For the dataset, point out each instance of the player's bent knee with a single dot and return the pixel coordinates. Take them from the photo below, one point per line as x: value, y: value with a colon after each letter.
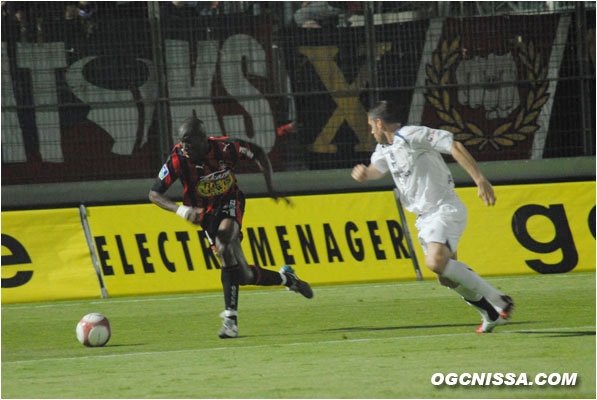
x: 222, y: 248
x: 435, y: 263
x: 246, y: 280
x: 247, y: 276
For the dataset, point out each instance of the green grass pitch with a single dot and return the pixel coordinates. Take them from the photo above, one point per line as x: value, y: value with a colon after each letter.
x: 375, y: 340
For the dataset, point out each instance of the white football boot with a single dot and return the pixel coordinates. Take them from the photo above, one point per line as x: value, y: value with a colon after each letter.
x: 488, y: 325
x: 229, y: 328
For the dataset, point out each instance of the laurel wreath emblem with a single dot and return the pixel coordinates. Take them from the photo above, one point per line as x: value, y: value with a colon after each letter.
x: 507, y: 134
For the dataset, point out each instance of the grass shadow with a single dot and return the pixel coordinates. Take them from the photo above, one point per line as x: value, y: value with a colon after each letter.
x: 391, y: 328
x: 558, y: 333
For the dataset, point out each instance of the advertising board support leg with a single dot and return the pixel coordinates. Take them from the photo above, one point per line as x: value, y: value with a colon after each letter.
x: 94, y: 259
x: 409, y: 242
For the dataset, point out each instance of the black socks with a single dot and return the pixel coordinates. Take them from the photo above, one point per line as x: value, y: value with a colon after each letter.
x: 230, y: 281
x: 266, y: 277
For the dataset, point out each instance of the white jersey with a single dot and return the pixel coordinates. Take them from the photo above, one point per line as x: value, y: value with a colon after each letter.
x: 419, y: 171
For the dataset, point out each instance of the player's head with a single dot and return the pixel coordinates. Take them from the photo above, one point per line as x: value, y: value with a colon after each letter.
x: 383, y: 119
x: 193, y: 138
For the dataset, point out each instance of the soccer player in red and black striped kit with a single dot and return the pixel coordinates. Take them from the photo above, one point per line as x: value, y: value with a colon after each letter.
x: 212, y: 199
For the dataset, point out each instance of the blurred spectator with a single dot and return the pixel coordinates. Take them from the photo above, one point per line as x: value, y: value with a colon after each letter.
x: 179, y: 9
x: 70, y: 12
x: 26, y: 20
x: 80, y: 20
x: 16, y: 17
x: 9, y: 33
x: 212, y: 8
x: 24, y: 17
x: 86, y: 12
x: 314, y: 14
x: 121, y: 10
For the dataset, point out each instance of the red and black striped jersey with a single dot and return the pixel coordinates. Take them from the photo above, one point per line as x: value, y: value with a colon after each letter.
x: 210, y: 180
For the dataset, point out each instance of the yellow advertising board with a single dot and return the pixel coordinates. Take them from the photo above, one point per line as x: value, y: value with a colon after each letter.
x: 45, y: 257
x: 333, y: 238
x: 327, y: 238
x: 541, y: 228
x: 143, y: 249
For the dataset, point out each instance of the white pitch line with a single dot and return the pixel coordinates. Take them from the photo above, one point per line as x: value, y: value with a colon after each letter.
x: 324, y: 342
x: 269, y: 292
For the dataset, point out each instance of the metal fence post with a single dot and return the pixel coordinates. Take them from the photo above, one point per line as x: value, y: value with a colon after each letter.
x: 94, y: 258
x: 581, y: 54
x: 371, y: 52
x: 406, y: 231
x: 157, y: 45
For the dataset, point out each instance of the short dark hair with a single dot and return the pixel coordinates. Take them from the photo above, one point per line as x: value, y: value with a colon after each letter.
x: 192, y: 126
x: 385, y: 110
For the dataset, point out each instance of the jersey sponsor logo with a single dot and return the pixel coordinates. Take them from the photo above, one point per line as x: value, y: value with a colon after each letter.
x: 164, y: 172
x: 215, y: 184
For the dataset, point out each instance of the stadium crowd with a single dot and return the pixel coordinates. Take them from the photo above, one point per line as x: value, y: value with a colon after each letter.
x: 29, y: 21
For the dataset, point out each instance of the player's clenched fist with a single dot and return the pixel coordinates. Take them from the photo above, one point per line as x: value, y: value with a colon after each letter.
x: 359, y: 173
x: 191, y: 214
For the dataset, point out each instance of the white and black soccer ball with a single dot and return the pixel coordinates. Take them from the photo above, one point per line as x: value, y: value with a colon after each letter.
x: 93, y: 330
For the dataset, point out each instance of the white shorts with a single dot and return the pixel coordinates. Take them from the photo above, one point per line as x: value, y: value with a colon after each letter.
x: 445, y: 225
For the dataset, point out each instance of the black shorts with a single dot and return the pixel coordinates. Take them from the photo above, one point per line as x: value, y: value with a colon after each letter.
x: 230, y: 207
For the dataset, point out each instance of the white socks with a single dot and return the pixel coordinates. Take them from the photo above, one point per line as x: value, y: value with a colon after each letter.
x: 472, y: 284
x: 230, y: 313
x: 467, y: 294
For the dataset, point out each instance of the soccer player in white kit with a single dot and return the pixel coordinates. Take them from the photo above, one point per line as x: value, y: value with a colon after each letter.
x: 412, y: 155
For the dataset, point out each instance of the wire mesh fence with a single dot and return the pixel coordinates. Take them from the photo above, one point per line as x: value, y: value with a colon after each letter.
x: 96, y: 90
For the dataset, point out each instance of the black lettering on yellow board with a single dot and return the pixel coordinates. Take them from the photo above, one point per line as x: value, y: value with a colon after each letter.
x: 208, y: 254
x: 284, y: 245
x: 183, y: 238
x: 397, y: 238
x: 307, y: 244
x: 592, y: 221
x: 331, y: 244
x: 127, y: 268
x: 103, y: 256
x: 375, y: 240
x: 358, y: 253
x: 259, y: 247
x: 163, y: 238
x: 562, y: 241
x: 355, y: 244
x: 144, y: 253
x: 18, y: 256
x: 260, y: 244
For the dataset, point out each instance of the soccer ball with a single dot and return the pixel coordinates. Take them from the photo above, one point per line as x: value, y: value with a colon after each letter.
x: 93, y: 330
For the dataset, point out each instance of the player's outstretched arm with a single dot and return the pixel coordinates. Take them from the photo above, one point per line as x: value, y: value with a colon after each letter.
x: 362, y: 173
x: 191, y: 214
x: 466, y: 160
x: 265, y: 165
